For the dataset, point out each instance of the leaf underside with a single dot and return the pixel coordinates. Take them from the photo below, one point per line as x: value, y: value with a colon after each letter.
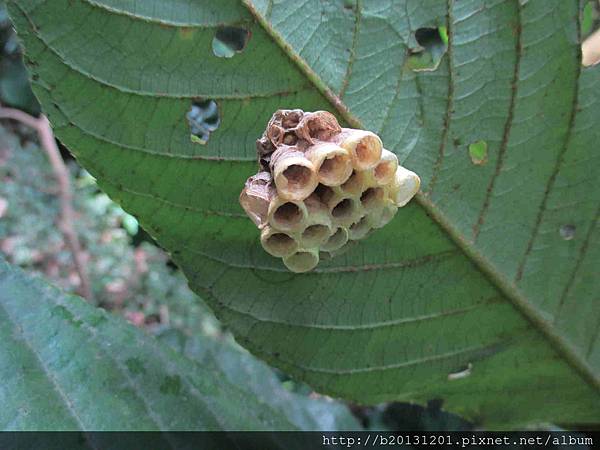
x: 66, y: 365
x: 475, y: 273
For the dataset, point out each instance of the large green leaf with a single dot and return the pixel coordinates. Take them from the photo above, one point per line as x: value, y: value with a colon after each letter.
x: 66, y: 365
x: 481, y: 275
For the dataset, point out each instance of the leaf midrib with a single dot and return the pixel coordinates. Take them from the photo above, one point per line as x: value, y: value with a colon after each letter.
x: 495, y: 277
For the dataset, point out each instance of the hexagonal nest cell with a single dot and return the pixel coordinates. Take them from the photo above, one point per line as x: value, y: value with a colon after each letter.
x: 321, y: 187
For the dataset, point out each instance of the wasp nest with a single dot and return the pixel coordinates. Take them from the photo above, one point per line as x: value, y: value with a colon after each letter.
x: 321, y: 186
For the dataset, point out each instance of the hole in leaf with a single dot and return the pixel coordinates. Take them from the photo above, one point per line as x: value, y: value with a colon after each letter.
x: 462, y: 373
x: 590, y: 33
x: 432, y: 44
x: 203, y: 119
x: 229, y: 40
x: 478, y: 151
x: 590, y: 17
x: 349, y: 4
x: 567, y: 232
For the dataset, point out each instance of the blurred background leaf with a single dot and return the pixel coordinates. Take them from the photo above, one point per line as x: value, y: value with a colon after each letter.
x: 93, y: 371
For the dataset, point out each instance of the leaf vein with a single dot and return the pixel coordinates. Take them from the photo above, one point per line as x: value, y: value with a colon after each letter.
x: 357, y: 21
x: 450, y: 103
x: 507, y: 126
x: 559, y: 161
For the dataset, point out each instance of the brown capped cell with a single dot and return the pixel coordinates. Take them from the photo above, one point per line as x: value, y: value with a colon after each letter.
x: 264, y: 150
x: 291, y: 118
x: 275, y: 133
x: 256, y: 197
x: 288, y: 118
x: 318, y: 125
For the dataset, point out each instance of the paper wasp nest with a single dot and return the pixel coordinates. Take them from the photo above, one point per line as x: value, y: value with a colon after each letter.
x: 321, y: 186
